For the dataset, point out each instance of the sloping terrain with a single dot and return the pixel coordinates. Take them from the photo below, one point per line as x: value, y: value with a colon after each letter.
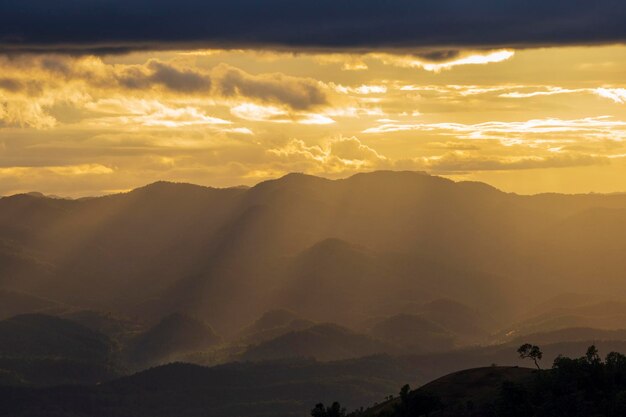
x: 362, y: 244
x: 239, y: 389
x: 324, y: 342
x: 37, y: 349
x: 174, y: 335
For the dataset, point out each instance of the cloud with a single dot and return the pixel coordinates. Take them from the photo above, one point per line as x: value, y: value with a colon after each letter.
x: 224, y: 81
x: 166, y: 75
x: 44, y: 91
x: 343, y: 155
x: 351, y: 149
x: 462, y: 162
x: 268, y: 113
x: 530, y: 132
x: 363, y: 89
x: 298, y: 93
x: 431, y: 26
x: 10, y: 84
x: 437, y: 62
x: 150, y: 113
x: 68, y: 170
x: 618, y: 95
x: 338, y: 155
x: 24, y: 113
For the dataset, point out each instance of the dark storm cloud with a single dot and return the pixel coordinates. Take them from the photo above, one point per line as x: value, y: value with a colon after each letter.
x: 10, y: 84
x: 119, y: 25
x: 297, y: 93
x: 174, y: 79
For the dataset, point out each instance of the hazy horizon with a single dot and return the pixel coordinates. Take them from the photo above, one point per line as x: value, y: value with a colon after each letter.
x: 333, y: 178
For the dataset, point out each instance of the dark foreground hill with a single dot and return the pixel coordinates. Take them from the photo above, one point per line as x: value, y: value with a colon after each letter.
x: 239, y: 389
x: 37, y: 349
x: 464, y: 393
x: 580, y: 387
x: 268, y: 388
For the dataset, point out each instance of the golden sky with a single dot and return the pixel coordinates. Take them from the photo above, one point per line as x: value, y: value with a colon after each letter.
x: 526, y: 121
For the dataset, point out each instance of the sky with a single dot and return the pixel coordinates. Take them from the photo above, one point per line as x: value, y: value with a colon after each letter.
x: 104, y: 96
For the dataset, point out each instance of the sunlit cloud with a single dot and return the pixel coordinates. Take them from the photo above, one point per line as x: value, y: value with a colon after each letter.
x: 618, y: 95
x: 71, y: 170
x: 466, y: 58
x: 24, y: 113
x: 527, y: 132
x: 354, y: 112
x: 273, y: 114
x: 259, y: 113
x: 347, y: 62
x: 362, y: 89
x: 548, y: 91
x: 462, y: 162
x: 150, y: 113
x: 315, y: 119
x: 333, y: 156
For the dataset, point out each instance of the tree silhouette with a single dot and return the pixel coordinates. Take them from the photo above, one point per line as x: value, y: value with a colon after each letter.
x: 592, y: 355
x: 335, y: 410
x: 402, y: 409
x: 532, y: 352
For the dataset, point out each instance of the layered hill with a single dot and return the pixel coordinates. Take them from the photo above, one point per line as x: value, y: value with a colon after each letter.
x: 325, y: 342
x: 287, y: 388
x: 343, y: 250
x: 37, y: 349
x: 173, y: 336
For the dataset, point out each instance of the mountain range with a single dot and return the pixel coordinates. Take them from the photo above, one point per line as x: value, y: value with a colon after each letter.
x: 346, y: 251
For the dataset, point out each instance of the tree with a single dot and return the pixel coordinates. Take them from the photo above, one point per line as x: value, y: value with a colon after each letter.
x: 592, y: 355
x: 532, y: 352
x: 615, y: 361
x: 404, y: 393
x: 319, y: 411
x: 402, y: 409
x: 335, y: 410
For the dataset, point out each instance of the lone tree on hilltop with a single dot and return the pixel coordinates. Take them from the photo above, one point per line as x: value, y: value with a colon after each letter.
x: 530, y: 351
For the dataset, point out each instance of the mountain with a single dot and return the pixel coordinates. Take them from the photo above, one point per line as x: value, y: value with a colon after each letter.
x: 42, y: 335
x: 175, y: 335
x: 605, y: 315
x: 324, y: 342
x: 272, y: 324
x: 37, y: 349
x: 118, y: 329
x: 465, y: 322
x: 14, y: 303
x: 414, y: 333
x: 573, y: 334
x: 330, y: 250
x: 18, y: 265
x: 285, y: 388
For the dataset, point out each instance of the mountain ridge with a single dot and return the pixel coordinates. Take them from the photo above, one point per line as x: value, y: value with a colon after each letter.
x: 226, y: 255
